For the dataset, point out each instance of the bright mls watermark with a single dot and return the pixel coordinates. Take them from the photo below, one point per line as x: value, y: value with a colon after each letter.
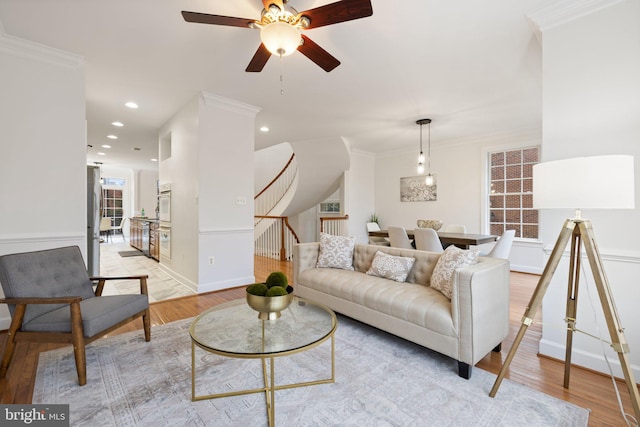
x: 34, y: 415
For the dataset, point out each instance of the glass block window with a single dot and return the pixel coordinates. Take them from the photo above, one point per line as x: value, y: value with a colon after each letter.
x: 511, y: 192
x: 330, y: 207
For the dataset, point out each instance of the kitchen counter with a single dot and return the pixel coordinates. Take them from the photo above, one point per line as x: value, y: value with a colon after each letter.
x: 145, y: 237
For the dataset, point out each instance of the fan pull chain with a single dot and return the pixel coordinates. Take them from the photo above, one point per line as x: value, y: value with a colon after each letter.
x: 281, y: 76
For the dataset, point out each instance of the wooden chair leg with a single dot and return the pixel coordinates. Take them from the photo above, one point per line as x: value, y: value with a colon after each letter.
x: 77, y: 334
x: 146, y: 318
x: 16, y: 323
x: 146, y: 321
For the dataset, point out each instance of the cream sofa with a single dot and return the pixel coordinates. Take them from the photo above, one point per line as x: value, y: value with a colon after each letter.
x: 465, y: 328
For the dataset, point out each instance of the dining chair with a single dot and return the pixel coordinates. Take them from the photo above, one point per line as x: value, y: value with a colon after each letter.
x: 398, y: 238
x: 51, y: 299
x: 427, y: 240
x: 105, y: 227
x: 503, y: 247
x: 455, y: 229
x: 118, y: 228
x: 376, y: 240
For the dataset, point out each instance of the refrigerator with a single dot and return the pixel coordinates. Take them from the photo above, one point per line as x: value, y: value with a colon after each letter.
x: 94, y: 195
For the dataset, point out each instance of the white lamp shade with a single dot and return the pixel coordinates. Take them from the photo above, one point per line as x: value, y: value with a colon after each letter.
x: 598, y: 182
x: 280, y: 38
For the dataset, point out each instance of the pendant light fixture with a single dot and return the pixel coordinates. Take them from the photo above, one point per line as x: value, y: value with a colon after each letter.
x: 421, y: 157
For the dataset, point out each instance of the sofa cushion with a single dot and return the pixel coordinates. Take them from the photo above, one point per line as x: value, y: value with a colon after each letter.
x: 452, y: 258
x: 413, y: 303
x: 336, y: 252
x: 391, y: 267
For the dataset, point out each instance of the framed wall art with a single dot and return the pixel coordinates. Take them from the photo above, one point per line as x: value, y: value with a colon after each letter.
x: 414, y: 189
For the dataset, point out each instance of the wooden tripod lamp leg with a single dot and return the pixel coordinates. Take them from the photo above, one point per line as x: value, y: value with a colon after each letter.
x: 616, y: 331
x: 582, y: 235
x: 536, y: 298
x: 572, y: 300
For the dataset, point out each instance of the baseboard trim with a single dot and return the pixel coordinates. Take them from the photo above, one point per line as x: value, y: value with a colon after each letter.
x: 588, y: 360
x: 225, y: 284
x: 179, y: 278
x: 526, y: 269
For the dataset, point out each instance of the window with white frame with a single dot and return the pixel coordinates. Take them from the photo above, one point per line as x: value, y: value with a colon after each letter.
x: 112, y: 199
x: 511, y: 192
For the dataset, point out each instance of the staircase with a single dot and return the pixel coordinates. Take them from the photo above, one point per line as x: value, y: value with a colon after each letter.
x: 312, y: 171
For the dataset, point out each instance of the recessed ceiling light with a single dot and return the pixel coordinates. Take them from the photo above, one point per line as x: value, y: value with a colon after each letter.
x: 118, y: 124
x: 112, y: 137
x: 106, y: 146
x: 154, y: 160
x: 131, y: 104
x: 264, y: 129
x: 102, y: 154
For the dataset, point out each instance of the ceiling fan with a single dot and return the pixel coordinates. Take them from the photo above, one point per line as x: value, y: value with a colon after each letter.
x: 280, y: 26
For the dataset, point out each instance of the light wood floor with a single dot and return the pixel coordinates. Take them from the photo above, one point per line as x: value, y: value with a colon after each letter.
x: 588, y: 389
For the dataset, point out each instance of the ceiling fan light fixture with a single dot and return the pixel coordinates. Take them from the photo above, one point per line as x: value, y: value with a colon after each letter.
x: 280, y: 38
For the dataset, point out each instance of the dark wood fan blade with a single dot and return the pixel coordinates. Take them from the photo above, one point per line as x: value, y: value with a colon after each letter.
x: 205, y: 18
x: 259, y: 60
x: 317, y: 54
x: 267, y: 3
x: 345, y: 10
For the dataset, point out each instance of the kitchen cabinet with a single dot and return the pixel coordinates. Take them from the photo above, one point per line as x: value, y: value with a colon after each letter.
x: 154, y: 241
x: 145, y: 236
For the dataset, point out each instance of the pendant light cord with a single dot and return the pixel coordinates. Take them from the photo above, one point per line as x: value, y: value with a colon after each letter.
x: 428, y: 148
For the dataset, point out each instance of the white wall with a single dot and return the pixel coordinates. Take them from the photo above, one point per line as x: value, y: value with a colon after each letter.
x: 180, y: 170
x: 212, y: 142
x: 458, y: 173
x: 461, y: 169
x: 42, y: 149
x: 591, y: 107
x: 146, y: 192
x: 225, y: 160
x: 359, y: 194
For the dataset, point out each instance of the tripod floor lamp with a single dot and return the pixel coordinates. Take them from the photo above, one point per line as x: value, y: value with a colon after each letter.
x: 600, y: 182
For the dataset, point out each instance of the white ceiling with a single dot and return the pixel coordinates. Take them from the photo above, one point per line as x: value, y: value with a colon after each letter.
x: 473, y: 67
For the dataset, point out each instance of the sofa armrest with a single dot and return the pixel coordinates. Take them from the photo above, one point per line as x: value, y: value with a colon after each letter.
x: 480, y: 307
x: 305, y: 256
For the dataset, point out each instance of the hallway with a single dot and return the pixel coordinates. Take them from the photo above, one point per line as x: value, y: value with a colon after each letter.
x: 161, y: 286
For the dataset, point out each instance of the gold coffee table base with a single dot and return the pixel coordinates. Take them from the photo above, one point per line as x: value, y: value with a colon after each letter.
x: 268, y: 367
x: 269, y: 388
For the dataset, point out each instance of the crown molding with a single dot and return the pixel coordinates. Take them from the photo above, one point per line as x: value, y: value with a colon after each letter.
x: 560, y: 12
x: 26, y: 49
x: 228, y: 104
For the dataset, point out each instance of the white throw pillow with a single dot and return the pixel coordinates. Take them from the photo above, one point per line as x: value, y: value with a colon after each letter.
x: 391, y: 267
x: 452, y: 258
x: 336, y: 252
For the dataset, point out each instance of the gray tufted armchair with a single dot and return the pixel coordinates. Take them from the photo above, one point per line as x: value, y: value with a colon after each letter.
x: 51, y: 299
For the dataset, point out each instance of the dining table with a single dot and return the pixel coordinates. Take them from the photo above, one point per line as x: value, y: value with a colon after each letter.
x: 461, y: 240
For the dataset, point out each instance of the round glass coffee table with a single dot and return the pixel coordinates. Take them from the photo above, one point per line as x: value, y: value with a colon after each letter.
x: 233, y: 330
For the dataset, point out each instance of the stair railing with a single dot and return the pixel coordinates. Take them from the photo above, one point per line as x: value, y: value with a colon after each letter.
x: 336, y: 225
x: 273, y: 192
x: 277, y: 240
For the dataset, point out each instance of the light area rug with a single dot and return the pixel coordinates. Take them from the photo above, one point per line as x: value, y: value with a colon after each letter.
x: 381, y: 380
